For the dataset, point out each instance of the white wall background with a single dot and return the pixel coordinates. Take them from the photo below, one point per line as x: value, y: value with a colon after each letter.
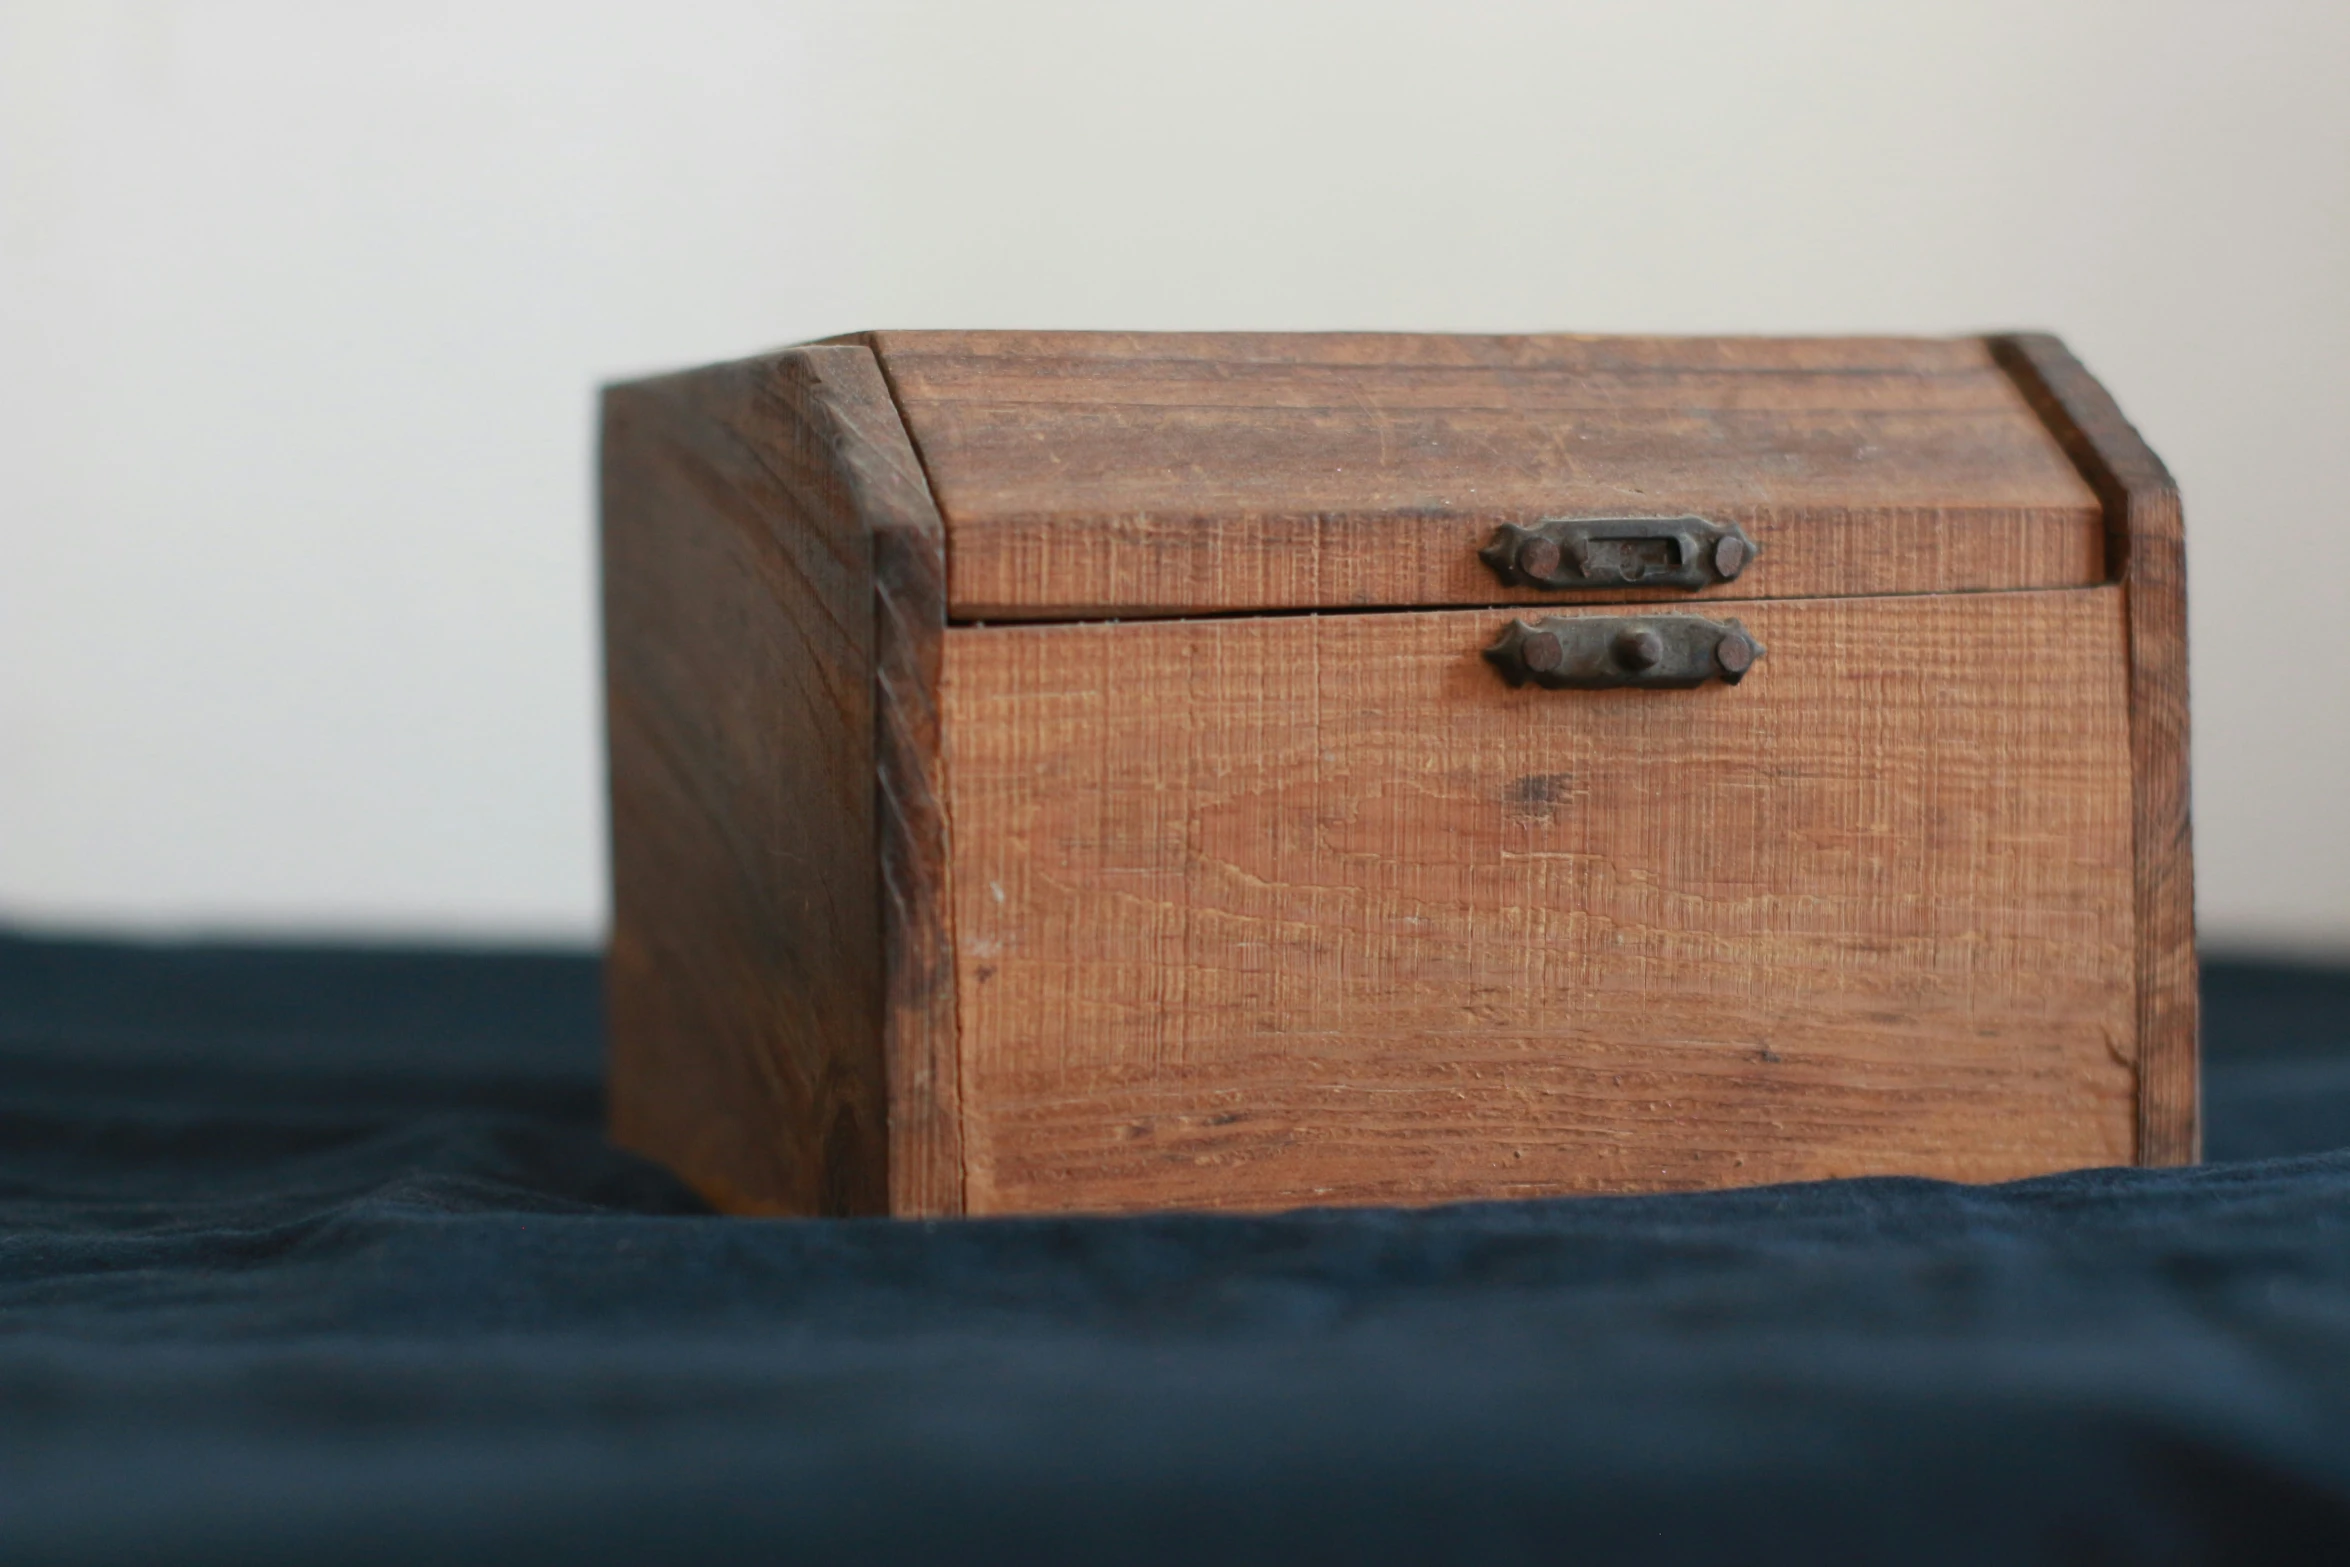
x: 301, y: 307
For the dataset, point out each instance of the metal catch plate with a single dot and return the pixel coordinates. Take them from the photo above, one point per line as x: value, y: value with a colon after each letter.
x: 1599, y: 653
x: 1619, y: 552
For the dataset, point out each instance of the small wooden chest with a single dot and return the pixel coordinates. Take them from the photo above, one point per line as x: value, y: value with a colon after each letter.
x: 1076, y: 771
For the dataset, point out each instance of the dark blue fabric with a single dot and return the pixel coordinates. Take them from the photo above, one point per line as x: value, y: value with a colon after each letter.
x: 319, y: 1257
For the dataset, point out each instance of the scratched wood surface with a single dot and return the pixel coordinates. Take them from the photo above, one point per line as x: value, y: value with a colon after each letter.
x: 2148, y: 545
x: 771, y: 1017
x: 1139, y: 473
x: 1260, y: 912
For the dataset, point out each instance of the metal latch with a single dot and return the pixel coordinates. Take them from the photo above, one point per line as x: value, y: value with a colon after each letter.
x: 1619, y: 552
x: 1599, y: 652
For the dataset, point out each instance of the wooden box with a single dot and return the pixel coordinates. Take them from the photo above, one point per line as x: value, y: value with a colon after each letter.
x: 1073, y: 771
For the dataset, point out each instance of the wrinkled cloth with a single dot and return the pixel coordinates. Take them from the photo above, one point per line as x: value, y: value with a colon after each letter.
x: 316, y: 1256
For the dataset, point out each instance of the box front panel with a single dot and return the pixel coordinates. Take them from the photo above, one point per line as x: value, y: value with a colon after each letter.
x: 1287, y: 910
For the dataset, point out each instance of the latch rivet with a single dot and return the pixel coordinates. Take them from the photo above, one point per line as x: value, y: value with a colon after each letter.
x: 1539, y: 557
x: 1540, y: 652
x: 1638, y: 647
x: 1730, y: 557
x: 1734, y: 653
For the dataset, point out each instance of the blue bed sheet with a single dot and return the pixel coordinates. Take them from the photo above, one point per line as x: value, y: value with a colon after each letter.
x: 317, y: 1256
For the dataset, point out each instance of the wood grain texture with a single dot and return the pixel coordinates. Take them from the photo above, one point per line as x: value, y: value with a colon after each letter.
x: 1305, y: 909
x: 1089, y: 474
x: 2148, y: 544
x: 918, y: 1022
x: 765, y: 1042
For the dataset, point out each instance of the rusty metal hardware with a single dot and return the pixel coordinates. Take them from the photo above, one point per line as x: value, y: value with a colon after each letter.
x: 1598, y: 652
x: 1619, y: 552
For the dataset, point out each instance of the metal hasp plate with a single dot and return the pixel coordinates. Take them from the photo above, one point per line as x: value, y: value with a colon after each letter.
x: 1619, y: 552
x: 1599, y: 653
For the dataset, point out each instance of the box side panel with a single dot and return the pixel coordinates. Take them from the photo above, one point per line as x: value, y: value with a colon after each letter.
x: 1090, y: 474
x: 746, y: 968
x: 1285, y: 910
x: 2148, y: 545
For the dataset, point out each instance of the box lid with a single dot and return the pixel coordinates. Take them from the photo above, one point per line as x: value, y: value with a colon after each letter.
x: 1084, y: 474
